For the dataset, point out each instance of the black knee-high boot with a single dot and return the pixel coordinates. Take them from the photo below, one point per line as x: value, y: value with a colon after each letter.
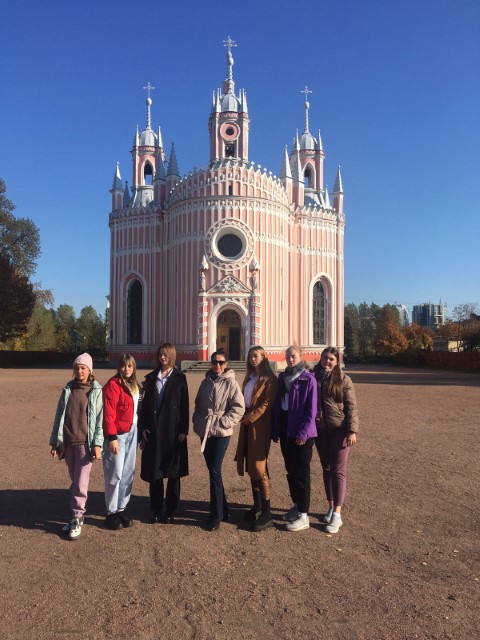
x: 265, y: 519
x: 253, y: 513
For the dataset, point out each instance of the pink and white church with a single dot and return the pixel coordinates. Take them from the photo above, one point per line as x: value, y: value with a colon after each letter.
x: 228, y: 256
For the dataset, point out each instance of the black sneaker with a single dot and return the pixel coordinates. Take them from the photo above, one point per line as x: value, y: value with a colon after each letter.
x: 124, y: 519
x: 113, y: 522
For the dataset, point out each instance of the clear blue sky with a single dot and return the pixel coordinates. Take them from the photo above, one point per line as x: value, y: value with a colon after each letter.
x: 396, y: 94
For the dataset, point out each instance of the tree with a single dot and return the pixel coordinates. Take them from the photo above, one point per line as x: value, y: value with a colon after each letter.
x: 19, y: 237
x: 351, y: 329
x: 418, y: 337
x: 19, y: 249
x: 367, y: 315
x: 17, y: 300
x: 91, y: 327
x: 41, y: 329
x: 64, y: 327
x: 389, y: 338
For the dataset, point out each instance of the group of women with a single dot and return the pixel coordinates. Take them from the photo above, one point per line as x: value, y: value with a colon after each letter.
x: 301, y: 409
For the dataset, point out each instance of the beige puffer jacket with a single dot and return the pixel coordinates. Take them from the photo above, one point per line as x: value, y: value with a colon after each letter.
x: 219, y: 406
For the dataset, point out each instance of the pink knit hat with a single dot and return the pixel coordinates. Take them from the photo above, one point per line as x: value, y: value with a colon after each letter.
x: 84, y: 358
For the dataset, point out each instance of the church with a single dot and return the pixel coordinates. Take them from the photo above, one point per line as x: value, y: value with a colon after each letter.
x: 229, y: 255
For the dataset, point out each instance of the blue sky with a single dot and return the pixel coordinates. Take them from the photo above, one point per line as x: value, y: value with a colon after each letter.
x: 396, y: 94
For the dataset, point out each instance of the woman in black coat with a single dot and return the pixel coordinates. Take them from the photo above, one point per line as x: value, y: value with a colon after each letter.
x: 163, y: 428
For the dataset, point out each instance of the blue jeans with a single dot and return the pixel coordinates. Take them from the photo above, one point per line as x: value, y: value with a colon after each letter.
x: 119, y: 471
x: 214, y: 453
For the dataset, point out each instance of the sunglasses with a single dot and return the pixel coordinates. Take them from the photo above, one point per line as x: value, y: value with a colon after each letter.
x: 220, y: 362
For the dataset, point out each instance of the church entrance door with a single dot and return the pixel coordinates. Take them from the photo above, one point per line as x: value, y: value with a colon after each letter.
x: 229, y: 334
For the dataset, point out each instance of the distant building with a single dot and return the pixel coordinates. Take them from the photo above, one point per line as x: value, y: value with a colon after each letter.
x: 229, y: 255
x: 444, y: 344
x: 403, y: 313
x: 429, y: 315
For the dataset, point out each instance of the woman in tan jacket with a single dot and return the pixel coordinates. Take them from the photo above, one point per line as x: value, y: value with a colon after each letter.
x: 219, y: 407
x: 259, y: 390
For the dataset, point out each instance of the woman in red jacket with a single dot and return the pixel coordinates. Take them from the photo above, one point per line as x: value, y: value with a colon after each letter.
x: 120, y: 402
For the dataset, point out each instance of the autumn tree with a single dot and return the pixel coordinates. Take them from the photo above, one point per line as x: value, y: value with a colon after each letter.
x: 418, y: 337
x: 389, y: 338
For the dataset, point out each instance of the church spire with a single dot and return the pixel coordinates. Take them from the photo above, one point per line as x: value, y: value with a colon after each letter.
x: 229, y: 84
x: 149, y: 88
x: 172, y: 163
x: 338, y: 186
x: 306, y: 91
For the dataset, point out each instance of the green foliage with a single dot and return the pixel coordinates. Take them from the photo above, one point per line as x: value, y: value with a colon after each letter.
x: 64, y: 328
x: 19, y: 237
x: 41, y: 329
x: 91, y: 328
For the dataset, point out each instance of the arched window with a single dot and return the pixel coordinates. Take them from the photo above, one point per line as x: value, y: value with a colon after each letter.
x: 134, y: 313
x: 147, y: 174
x: 319, y: 314
x: 308, y: 178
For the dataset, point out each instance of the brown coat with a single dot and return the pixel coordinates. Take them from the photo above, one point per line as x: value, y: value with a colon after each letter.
x: 256, y: 430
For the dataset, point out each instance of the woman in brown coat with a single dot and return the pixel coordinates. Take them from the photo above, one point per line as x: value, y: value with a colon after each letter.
x: 259, y: 389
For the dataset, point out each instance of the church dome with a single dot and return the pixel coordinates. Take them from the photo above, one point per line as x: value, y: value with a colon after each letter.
x: 307, y: 141
x: 230, y: 102
x: 148, y: 138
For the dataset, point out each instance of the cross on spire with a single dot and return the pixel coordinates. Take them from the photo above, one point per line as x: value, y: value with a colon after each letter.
x: 229, y: 43
x: 149, y: 88
x: 306, y: 91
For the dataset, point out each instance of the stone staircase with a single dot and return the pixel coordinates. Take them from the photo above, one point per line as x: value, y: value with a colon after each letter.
x: 189, y: 366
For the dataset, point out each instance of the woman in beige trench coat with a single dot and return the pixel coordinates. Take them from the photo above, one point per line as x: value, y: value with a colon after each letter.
x: 259, y: 389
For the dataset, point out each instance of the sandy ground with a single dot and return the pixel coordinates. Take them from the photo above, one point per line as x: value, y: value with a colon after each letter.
x: 404, y: 565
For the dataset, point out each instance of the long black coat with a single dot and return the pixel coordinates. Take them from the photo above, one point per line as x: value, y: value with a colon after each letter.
x: 163, y: 456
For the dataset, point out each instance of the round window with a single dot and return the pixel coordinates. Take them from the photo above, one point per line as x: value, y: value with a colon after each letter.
x: 230, y: 131
x: 230, y: 246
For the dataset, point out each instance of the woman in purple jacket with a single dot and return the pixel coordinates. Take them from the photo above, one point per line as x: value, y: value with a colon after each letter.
x: 294, y: 413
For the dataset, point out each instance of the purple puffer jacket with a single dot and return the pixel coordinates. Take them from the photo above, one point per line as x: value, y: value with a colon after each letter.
x: 302, y: 407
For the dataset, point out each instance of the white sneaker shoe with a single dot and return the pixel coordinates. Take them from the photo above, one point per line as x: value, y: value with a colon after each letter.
x: 328, y: 516
x: 335, y: 523
x: 291, y: 515
x: 75, y: 528
x: 301, y: 523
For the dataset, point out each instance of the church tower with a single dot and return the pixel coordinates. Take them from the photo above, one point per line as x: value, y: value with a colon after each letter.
x: 229, y: 122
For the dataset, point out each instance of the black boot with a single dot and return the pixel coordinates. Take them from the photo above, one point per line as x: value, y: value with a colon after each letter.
x: 265, y: 519
x: 253, y: 513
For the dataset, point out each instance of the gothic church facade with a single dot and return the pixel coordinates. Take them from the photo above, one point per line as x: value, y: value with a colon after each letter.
x: 228, y: 255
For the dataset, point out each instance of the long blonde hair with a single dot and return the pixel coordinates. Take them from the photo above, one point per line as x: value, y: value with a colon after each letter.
x: 131, y: 382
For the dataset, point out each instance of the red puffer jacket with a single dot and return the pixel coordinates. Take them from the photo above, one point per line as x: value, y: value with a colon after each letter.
x: 117, y: 408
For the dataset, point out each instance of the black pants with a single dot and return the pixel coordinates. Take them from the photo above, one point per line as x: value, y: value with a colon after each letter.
x: 297, y: 464
x: 172, y: 496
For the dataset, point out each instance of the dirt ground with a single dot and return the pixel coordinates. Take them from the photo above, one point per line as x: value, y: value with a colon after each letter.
x: 404, y: 565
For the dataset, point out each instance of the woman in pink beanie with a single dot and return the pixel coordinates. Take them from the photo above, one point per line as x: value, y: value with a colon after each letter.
x: 77, y: 435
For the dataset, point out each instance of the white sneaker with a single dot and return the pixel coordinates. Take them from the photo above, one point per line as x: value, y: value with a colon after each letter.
x: 328, y: 516
x: 301, y: 523
x: 291, y: 515
x: 75, y: 528
x: 335, y: 524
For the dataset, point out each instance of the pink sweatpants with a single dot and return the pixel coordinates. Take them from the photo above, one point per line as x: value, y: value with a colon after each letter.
x: 79, y: 463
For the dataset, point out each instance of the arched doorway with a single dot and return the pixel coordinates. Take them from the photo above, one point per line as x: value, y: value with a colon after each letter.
x: 229, y: 334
